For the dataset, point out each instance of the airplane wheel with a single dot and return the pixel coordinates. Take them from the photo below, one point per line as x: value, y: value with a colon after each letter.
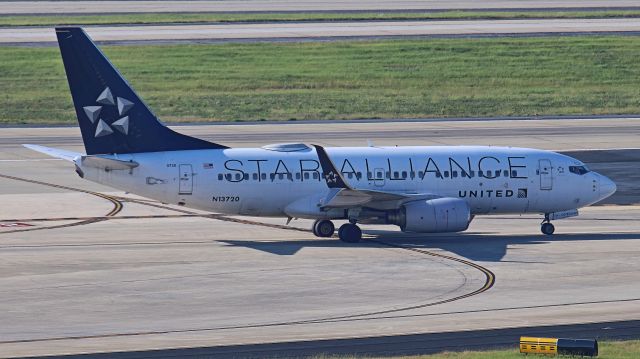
x: 323, y: 228
x: 341, y: 231
x: 350, y: 233
x: 547, y: 228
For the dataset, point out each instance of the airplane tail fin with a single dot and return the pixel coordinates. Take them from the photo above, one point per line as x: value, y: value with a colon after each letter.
x: 112, y: 117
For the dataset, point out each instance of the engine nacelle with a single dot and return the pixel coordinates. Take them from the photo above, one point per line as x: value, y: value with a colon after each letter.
x: 433, y: 216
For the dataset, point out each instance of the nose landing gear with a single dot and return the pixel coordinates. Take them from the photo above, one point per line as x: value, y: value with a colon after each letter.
x: 546, y: 227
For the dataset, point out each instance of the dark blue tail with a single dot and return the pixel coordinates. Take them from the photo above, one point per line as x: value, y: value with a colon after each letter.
x: 112, y: 118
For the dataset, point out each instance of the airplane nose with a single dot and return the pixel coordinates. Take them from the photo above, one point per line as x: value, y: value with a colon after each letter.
x: 607, y: 187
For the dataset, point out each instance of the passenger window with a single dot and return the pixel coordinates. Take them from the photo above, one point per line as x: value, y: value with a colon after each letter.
x: 264, y: 176
x: 238, y: 176
x: 290, y: 176
x: 220, y: 176
x: 297, y: 175
x: 281, y: 176
x: 228, y: 176
x: 379, y: 175
x: 480, y: 173
x: 306, y: 175
x: 506, y: 173
x: 246, y: 176
x: 359, y: 175
x: 412, y: 174
x: 255, y: 176
x: 350, y: 175
x: 514, y: 173
x: 420, y: 174
x: 454, y: 174
x: 446, y: 174
x: 396, y: 174
x: 471, y: 174
x: 404, y: 174
x: 272, y: 176
x: 315, y: 175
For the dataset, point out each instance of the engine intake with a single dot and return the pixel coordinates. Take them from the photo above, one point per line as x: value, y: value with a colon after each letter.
x: 433, y: 216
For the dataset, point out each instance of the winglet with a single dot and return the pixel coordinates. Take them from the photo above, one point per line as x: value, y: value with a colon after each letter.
x: 332, y: 176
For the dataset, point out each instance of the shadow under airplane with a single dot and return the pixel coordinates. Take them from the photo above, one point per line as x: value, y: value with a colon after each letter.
x: 485, y: 247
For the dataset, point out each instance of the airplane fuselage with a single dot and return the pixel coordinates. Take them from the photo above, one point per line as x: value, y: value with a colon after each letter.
x: 263, y: 182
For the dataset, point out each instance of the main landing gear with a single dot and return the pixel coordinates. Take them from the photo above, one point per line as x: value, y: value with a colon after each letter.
x: 546, y: 227
x: 348, y: 232
x: 323, y: 228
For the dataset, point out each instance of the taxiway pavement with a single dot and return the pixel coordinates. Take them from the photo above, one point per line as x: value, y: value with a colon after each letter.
x: 141, y: 275
x: 326, y: 30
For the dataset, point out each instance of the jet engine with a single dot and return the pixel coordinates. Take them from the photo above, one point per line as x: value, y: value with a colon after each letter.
x: 433, y: 216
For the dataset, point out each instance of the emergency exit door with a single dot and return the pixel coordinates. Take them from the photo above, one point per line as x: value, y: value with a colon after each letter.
x: 186, y: 179
x: 546, y: 175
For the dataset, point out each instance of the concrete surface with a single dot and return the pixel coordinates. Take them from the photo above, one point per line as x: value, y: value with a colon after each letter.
x: 83, y: 7
x: 326, y: 30
x: 156, y: 277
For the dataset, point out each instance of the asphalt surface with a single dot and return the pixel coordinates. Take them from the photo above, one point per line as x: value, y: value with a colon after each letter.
x: 102, y: 7
x: 85, y: 269
x: 411, y: 344
x: 326, y: 30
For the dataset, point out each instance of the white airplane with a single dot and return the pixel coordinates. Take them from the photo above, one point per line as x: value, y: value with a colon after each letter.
x: 420, y: 189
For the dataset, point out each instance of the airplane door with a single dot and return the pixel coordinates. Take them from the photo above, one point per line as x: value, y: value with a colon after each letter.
x: 378, y: 175
x: 546, y: 176
x: 186, y: 179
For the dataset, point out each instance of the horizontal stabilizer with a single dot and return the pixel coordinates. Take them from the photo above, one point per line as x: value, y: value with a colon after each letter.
x: 55, y: 152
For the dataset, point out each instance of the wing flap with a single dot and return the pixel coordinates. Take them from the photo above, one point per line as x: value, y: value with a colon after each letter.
x: 347, y: 198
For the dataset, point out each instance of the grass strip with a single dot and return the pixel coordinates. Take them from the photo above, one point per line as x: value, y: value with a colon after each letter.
x: 345, y: 80
x: 607, y: 350
x: 155, y: 18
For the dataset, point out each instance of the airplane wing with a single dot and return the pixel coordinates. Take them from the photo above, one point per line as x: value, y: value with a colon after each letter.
x: 342, y: 195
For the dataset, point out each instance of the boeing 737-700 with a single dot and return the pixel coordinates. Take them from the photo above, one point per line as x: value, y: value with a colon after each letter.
x: 420, y: 189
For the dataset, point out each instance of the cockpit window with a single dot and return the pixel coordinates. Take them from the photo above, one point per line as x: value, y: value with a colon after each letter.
x: 579, y: 170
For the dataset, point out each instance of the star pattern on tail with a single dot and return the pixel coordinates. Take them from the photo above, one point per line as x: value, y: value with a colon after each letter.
x: 119, y: 124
